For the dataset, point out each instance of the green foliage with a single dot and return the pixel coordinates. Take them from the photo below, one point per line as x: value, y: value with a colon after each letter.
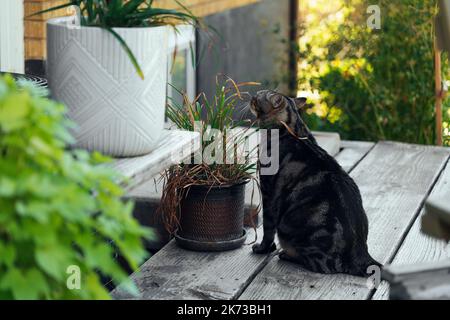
x: 371, y: 84
x: 110, y: 14
x: 58, y: 208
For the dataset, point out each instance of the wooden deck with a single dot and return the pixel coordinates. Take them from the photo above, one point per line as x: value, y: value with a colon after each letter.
x: 395, y: 179
x: 174, y: 147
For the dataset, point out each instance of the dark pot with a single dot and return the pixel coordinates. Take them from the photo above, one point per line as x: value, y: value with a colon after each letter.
x: 212, y: 218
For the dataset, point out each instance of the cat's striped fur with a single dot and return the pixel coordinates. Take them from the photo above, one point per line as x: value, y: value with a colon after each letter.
x: 311, y: 202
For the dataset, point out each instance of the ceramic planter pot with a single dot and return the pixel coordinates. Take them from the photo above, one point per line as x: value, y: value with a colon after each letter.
x: 212, y: 218
x: 116, y: 112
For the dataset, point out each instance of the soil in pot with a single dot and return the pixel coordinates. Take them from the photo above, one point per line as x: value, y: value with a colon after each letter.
x: 212, y: 218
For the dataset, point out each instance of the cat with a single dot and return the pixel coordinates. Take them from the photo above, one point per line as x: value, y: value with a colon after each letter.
x: 313, y: 205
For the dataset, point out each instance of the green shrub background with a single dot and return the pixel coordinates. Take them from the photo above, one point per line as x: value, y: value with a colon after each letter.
x: 58, y: 208
x: 371, y: 84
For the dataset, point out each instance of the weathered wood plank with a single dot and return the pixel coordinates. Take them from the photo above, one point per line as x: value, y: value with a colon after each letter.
x: 394, y: 180
x: 348, y: 157
x: 436, y: 220
x: 174, y: 147
x: 329, y: 141
x: 418, y: 247
x: 174, y: 273
x: 353, y: 152
x: 419, y: 281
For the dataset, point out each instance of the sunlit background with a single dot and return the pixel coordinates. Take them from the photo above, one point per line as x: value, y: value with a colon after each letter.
x: 370, y: 84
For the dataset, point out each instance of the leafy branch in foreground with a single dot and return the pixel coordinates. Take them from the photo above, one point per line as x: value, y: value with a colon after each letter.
x: 60, y: 210
x: 109, y: 14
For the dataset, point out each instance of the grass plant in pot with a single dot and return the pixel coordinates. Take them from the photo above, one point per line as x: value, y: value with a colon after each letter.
x: 203, y: 200
x: 108, y: 64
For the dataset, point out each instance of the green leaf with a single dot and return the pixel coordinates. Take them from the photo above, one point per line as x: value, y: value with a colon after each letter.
x: 28, y: 285
x: 13, y: 111
x: 7, y: 187
x: 59, y: 7
x: 128, y: 51
x: 54, y: 260
x: 95, y: 289
x: 58, y: 205
x: 8, y: 255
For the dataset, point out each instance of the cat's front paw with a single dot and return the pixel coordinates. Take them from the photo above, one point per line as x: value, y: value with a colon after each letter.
x: 264, y: 248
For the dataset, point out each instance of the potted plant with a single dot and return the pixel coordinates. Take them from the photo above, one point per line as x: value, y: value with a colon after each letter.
x: 108, y: 64
x: 60, y: 209
x: 203, y: 200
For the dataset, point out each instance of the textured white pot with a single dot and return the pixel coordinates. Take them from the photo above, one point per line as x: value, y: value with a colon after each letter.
x: 116, y: 112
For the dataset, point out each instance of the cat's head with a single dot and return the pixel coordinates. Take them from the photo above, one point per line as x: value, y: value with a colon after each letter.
x: 273, y: 109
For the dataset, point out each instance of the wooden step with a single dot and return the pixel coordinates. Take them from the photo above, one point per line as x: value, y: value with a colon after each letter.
x: 174, y: 147
x: 426, y: 281
x: 174, y: 273
x: 152, y: 188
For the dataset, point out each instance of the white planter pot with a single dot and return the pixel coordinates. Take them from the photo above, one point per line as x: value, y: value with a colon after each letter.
x: 116, y: 112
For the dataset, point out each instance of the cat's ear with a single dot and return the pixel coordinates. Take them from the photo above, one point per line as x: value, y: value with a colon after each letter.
x: 301, y: 103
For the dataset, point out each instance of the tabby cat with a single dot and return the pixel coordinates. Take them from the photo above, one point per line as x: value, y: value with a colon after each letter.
x: 311, y: 202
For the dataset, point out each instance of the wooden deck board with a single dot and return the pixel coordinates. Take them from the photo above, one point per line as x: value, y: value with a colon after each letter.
x: 394, y: 180
x: 418, y: 247
x: 174, y: 273
x: 329, y: 141
x: 175, y: 146
x: 353, y: 152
